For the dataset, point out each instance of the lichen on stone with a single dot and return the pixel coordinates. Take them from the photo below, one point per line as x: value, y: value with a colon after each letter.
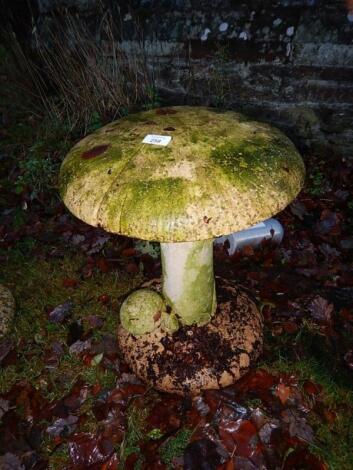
x: 141, y: 311
x: 169, y: 322
x: 219, y: 166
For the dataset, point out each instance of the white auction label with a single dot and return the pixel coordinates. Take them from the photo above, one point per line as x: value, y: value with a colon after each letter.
x: 155, y: 139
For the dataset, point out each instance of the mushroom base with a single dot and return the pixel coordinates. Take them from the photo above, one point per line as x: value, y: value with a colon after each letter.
x: 197, y: 358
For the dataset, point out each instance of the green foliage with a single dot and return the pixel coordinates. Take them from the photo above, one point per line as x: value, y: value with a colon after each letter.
x: 136, y: 422
x: 317, y: 184
x: 319, y: 363
x: 38, y: 173
x: 39, y: 165
x: 155, y: 434
x: 95, y: 122
x: 175, y: 446
x: 152, y: 99
x: 37, y: 284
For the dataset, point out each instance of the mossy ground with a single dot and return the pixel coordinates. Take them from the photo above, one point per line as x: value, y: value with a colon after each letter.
x: 38, y: 286
x: 333, y: 434
x: 35, y: 263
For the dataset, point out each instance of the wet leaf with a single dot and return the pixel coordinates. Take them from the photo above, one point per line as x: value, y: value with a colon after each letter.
x: 10, y: 461
x: 240, y: 435
x: 87, y: 449
x: 282, y: 392
x: 321, y: 309
x: 311, y: 388
x: 80, y: 346
x: 202, y: 454
x: 63, y: 426
x: 297, y: 426
x: 61, y: 312
x: 97, y: 359
x: 107, y: 345
x: 303, y: 459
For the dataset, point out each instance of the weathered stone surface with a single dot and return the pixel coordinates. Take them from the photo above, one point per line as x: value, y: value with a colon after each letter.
x: 198, y: 358
x: 220, y: 173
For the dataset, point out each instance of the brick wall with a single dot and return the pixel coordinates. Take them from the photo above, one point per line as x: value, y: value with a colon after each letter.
x: 289, y: 62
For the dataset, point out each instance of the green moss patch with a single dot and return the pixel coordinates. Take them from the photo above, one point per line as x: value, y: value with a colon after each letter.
x: 42, y: 289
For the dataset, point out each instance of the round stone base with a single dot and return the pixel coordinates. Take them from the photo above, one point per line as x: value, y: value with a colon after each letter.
x: 197, y: 358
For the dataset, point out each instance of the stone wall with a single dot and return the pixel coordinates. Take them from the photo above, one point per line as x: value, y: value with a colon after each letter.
x: 289, y: 62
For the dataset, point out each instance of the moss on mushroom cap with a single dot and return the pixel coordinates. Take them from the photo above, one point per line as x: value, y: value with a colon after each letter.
x: 219, y: 174
x: 141, y: 312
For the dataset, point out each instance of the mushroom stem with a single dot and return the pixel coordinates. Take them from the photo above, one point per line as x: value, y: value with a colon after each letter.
x: 188, y: 280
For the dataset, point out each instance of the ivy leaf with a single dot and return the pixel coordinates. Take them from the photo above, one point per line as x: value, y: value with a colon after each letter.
x: 97, y: 359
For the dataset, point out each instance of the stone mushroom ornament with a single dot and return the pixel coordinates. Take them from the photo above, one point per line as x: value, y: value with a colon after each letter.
x: 219, y: 173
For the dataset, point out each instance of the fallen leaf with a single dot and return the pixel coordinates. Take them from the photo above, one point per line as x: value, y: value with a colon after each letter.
x: 303, y: 459
x: 63, y: 426
x: 239, y: 435
x: 97, y: 359
x: 61, y: 312
x: 86, y: 450
x: 80, y: 346
x: 202, y: 454
x: 311, y: 388
x: 266, y: 431
x: 10, y: 461
x: 297, y: 426
x: 282, y: 392
x: 321, y: 309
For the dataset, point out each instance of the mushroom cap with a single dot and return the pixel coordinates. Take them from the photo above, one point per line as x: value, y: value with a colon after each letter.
x: 220, y: 173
